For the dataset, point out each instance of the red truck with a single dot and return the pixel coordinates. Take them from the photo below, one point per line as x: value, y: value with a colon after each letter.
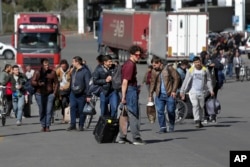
x: 37, y: 36
x: 120, y: 29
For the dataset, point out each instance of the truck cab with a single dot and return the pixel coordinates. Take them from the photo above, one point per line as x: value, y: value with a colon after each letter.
x: 37, y: 36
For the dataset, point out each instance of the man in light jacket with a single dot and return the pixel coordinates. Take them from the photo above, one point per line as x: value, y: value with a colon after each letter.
x: 197, y: 82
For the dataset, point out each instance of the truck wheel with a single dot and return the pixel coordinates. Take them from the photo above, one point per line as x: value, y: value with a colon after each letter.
x: 122, y: 55
x: 126, y: 55
x: 8, y: 54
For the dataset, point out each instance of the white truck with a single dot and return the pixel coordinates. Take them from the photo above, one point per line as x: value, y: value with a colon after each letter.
x: 187, y: 35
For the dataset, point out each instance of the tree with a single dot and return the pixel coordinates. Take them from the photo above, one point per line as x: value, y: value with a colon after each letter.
x: 32, y: 5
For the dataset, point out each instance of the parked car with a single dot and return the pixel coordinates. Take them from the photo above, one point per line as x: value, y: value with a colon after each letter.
x: 7, y: 51
x: 246, y: 48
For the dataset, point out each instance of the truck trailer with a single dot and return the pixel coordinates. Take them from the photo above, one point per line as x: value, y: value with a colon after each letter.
x: 187, y: 35
x: 37, y: 36
x: 120, y: 29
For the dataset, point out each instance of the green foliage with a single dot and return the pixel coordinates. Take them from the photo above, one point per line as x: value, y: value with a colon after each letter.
x: 10, y: 7
x: 34, y: 5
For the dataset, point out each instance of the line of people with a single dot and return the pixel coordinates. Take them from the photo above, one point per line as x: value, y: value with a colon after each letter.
x: 71, y: 84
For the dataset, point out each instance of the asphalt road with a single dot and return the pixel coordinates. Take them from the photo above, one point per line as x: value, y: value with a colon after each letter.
x: 186, y: 147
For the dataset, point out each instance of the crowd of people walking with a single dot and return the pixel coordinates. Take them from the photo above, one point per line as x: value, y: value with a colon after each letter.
x: 201, y: 79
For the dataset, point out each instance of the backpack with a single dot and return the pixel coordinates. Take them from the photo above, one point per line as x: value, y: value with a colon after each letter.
x: 117, y: 77
x: 28, y: 87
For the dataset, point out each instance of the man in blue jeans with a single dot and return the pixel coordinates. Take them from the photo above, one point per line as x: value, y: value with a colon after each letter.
x: 164, y: 82
x: 102, y: 76
x: 18, y: 81
x: 79, y: 85
x: 130, y: 96
x: 46, y: 83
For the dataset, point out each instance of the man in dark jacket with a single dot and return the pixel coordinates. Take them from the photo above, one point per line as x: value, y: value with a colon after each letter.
x: 79, y: 85
x: 45, y: 82
x: 18, y: 81
x: 102, y: 76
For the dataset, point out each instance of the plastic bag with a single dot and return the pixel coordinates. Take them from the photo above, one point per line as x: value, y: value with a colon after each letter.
x: 213, y: 106
x: 89, y: 109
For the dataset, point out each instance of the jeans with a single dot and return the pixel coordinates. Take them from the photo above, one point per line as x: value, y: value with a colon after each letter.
x: 45, y: 105
x: 113, y: 100
x: 64, y: 102
x: 198, y: 102
x: 18, y: 104
x: 133, y: 116
x: 161, y: 102
x: 77, y: 103
x: 230, y: 69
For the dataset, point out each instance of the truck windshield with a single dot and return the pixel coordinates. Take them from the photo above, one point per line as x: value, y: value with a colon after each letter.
x: 38, y: 40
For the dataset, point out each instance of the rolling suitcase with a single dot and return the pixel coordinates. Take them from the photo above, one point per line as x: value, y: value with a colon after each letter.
x: 106, y: 130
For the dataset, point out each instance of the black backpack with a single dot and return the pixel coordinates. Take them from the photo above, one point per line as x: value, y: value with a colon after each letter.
x: 117, y: 77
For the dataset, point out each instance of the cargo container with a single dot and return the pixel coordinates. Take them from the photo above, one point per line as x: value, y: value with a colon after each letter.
x: 120, y: 29
x: 220, y: 17
x: 186, y: 35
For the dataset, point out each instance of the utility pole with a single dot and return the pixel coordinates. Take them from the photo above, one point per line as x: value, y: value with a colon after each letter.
x: 1, y: 18
x: 80, y: 6
x: 129, y: 4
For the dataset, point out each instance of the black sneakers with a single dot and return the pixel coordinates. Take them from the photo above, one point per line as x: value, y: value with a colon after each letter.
x: 124, y: 140
x: 138, y: 141
x: 71, y: 128
x: 198, y: 124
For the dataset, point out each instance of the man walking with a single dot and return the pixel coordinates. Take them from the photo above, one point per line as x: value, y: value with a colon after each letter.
x: 164, y: 82
x: 102, y: 76
x: 18, y: 81
x: 46, y: 83
x: 197, y: 82
x: 130, y: 95
x: 5, y: 81
x: 79, y: 85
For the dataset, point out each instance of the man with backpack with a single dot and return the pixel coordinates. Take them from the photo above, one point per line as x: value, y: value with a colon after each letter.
x: 5, y: 81
x: 102, y: 76
x: 164, y: 82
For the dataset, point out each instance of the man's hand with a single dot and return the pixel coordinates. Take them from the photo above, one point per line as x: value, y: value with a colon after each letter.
x: 108, y: 79
x: 182, y: 96
x: 88, y: 99
x: 149, y: 99
x: 123, y: 101
x: 173, y: 94
x: 212, y: 93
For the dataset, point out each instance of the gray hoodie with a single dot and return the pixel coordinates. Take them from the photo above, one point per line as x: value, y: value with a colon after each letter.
x: 206, y: 81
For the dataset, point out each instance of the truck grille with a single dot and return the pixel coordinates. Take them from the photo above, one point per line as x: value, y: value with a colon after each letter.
x: 35, y: 61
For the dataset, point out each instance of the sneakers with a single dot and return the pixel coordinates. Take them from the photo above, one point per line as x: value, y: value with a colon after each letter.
x: 71, y: 128
x: 138, y: 141
x: 162, y: 130
x: 18, y: 123
x: 124, y: 140
x: 205, y: 121
x: 198, y: 124
x: 213, y: 121
x: 47, y: 129
x: 80, y: 128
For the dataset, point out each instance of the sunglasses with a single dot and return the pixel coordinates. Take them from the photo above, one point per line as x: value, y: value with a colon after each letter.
x: 137, y: 54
